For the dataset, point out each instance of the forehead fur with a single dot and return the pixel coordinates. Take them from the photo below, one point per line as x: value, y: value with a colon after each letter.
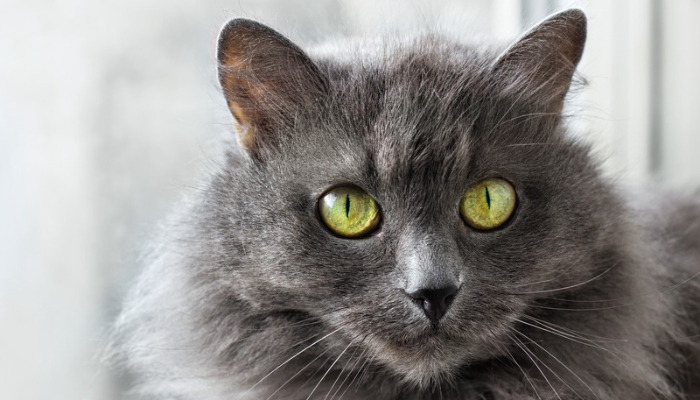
x: 416, y: 108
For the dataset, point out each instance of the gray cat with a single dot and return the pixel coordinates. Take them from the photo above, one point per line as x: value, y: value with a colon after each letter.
x: 410, y: 220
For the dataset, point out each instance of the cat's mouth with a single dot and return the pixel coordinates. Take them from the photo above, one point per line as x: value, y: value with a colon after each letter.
x: 428, y: 357
x: 425, y: 359
x: 414, y: 348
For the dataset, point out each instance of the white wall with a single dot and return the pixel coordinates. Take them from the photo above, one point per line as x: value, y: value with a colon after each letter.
x: 680, y: 100
x: 108, y: 111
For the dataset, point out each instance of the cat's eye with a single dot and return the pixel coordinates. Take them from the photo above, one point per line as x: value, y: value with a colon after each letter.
x: 488, y: 204
x: 349, y: 212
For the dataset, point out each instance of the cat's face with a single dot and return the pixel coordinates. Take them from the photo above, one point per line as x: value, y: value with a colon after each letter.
x: 422, y: 292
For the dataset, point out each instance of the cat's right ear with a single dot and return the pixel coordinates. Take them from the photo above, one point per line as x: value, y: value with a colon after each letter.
x: 267, y: 80
x: 541, y: 64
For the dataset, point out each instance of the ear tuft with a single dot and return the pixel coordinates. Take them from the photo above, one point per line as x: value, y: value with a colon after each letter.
x: 543, y: 61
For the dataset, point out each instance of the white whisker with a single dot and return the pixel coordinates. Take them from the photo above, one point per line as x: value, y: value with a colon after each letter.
x: 527, y: 377
x: 290, y: 359
x: 297, y: 374
x: 329, y: 370
x: 569, y: 287
x: 576, y: 339
x: 359, y: 371
x: 348, y: 375
x: 528, y: 354
x: 562, y: 364
x: 342, y: 371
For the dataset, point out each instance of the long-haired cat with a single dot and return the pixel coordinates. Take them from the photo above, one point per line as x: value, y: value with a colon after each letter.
x: 410, y: 220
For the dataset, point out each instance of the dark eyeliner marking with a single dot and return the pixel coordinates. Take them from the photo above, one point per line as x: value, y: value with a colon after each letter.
x: 347, y: 206
x: 488, y: 197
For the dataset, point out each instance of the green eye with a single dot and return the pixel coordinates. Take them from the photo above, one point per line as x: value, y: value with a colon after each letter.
x: 349, y: 212
x: 488, y: 204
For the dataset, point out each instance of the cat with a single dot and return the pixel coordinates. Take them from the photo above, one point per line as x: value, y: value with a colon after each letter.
x: 411, y: 220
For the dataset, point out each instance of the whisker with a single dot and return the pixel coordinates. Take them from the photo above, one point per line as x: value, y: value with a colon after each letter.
x: 654, y: 293
x: 581, y: 335
x: 298, y: 372
x: 364, y: 373
x: 359, y: 371
x: 342, y: 371
x: 527, y: 284
x: 527, y: 353
x: 569, y: 287
x: 329, y: 369
x: 290, y: 359
x: 562, y: 364
x: 517, y: 364
x: 626, y: 304
x: 349, y: 373
x: 580, y: 340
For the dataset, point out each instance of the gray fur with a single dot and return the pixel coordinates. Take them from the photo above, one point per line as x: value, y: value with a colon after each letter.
x: 585, y: 293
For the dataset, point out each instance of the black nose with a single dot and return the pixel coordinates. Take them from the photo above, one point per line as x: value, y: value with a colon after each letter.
x: 434, y: 302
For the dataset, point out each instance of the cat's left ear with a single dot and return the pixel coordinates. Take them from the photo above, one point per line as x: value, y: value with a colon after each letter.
x: 541, y: 64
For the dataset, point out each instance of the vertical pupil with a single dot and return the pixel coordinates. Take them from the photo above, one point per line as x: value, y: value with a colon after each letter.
x: 347, y: 206
x: 488, y: 197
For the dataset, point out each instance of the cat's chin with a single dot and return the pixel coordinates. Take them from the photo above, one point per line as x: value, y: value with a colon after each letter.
x: 428, y: 360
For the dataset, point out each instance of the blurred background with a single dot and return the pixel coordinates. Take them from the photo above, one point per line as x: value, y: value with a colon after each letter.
x: 110, y: 111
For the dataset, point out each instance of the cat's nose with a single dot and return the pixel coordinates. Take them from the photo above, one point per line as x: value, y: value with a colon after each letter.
x: 434, y: 302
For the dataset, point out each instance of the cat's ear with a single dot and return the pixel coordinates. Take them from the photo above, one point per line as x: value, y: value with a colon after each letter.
x: 266, y: 79
x: 541, y: 64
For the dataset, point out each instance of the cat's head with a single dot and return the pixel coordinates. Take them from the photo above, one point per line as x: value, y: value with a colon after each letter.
x: 413, y: 203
